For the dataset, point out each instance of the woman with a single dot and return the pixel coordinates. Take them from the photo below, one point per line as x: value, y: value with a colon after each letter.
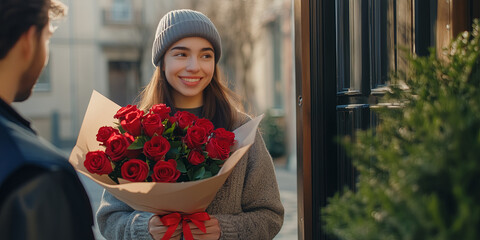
x: 185, y: 52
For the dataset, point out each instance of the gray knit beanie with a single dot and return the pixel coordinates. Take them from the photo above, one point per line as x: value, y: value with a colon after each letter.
x: 179, y: 24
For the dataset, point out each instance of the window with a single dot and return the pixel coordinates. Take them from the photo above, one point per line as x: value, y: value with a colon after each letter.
x: 383, y: 41
x: 124, y: 81
x: 352, y: 46
x: 121, y: 12
x: 371, y: 36
x: 276, y: 38
x: 43, y: 83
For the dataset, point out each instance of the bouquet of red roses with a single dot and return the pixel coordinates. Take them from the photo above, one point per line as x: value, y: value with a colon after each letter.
x: 113, y: 138
x: 158, y: 147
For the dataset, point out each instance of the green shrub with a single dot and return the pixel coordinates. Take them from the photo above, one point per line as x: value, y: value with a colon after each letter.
x: 419, y: 170
x: 273, y: 131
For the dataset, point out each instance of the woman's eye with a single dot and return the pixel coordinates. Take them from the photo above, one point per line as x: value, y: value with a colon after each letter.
x: 179, y: 55
x: 207, y: 56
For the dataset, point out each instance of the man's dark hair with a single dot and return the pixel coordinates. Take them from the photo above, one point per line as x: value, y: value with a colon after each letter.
x: 17, y: 16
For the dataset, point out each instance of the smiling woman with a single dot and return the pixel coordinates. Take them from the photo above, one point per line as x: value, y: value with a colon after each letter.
x: 189, y: 66
x: 186, y: 51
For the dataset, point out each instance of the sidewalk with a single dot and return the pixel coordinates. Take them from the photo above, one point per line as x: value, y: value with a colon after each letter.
x: 287, y: 182
x: 288, y: 193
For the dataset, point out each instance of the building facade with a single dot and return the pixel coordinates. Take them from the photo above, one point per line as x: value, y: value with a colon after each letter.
x: 106, y: 46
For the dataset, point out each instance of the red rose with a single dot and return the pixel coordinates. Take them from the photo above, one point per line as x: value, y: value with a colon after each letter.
x: 129, y: 137
x: 156, y: 148
x: 132, y: 122
x: 161, y: 109
x: 116, y: 147
x: 165, y: 171
x: 97, y: 162
x: 185, y: 119
x: 152, y: 123
x: 134, y: 153
x: 205, y: 124
x: 135, y: 170
x: 217, y: 150
x: 105, y: 132
x: 224, y: 136
x: 195, y: 137
x: 195, y: 157
x: 122, y: 112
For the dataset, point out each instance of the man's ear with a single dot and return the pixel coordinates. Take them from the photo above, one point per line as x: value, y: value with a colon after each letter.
x: 28, y: 42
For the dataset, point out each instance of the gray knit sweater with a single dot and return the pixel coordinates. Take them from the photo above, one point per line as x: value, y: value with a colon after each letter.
x: 247, y: 206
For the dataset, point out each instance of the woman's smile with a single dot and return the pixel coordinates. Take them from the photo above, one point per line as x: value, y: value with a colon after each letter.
x: 189, y: 65
x: 190, y: 80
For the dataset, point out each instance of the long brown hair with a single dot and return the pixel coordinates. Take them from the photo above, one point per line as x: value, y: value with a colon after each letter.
x: 220, y: 104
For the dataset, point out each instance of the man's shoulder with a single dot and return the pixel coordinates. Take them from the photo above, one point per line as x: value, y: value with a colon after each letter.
x: 20, y: 147
x: 51, y: 198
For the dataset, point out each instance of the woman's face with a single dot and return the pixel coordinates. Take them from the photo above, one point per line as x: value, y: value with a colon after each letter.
x: 189, y: 65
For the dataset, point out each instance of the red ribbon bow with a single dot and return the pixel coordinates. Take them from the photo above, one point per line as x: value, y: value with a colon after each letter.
x: 173, y: 219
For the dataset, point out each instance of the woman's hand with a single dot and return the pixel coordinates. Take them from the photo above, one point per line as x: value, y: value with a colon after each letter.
x: 213, y: 230
x: 157, y: 229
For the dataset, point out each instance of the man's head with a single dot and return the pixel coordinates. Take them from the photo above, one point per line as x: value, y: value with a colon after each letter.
x: 27, y: 22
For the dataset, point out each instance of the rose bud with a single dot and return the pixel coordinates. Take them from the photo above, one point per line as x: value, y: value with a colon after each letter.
x: 156, y: 148
x: 132, y: 123
x: 105, y: 132
x: 116, y: 147
x: 205, y: 124
x: 135, y: 170
x: 97, y: 162
x: 185, y: 119
x: 161, y: 109
x: 165, y: 171
x: 152, y: 123
x: 196, y: 157
x: 196, y: 136
x: 122, y: 112
x: 224, y: 136
x: 217, y: 150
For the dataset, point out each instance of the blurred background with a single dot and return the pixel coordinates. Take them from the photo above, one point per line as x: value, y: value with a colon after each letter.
x: 105, y: 45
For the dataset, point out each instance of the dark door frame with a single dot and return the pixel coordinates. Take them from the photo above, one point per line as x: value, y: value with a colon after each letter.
x: 316, y: 114
x: 302, y: 75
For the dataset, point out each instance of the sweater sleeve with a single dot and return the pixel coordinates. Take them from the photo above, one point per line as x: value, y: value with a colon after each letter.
x: 116, y: 220
x: 262, y: 211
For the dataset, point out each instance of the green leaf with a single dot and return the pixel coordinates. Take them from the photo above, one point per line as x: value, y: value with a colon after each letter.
x: 190, y: 174
x: 169, y: 131
x: 218, y: 162
x: 214, y: 168
x: 174, y: 152
x: 207, y: 174
x: 150, y: 164
x: 181, y: 166
x: 138, y: 143
x: 416, y: 173
x: 120, y: 128
x: 175, y: 144
x: 199, y: 173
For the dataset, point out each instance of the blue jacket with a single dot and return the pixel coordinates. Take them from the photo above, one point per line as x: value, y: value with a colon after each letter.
x: 41, y: 196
